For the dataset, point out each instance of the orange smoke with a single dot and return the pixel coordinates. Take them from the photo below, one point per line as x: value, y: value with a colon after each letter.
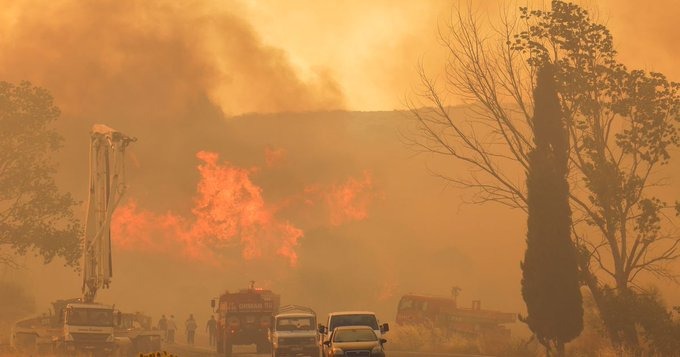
x: 230, y: 211
x: 154, y: 59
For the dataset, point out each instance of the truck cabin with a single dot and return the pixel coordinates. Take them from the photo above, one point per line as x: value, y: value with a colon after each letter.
x: 87, y: 316
x: 295, y: 323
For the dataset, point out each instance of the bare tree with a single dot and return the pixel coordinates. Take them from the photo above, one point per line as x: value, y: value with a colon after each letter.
x: 622, y: 124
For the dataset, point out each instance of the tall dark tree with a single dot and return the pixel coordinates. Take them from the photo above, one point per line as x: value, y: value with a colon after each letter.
x: 34, y: 215
x: 550, y: 280
x: 623, y: 124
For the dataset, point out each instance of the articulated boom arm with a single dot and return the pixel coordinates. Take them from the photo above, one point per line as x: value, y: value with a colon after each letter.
x: 107, y: 185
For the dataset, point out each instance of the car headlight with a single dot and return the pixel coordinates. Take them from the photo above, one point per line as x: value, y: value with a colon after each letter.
x: 377, y: 351
x: 68, y: 337
x: 337, y: 352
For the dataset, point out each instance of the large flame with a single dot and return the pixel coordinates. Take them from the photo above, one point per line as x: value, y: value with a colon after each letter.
x: 229, y: 210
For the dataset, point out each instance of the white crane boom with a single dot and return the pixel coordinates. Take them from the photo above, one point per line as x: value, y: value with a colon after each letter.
x: 107, y: 185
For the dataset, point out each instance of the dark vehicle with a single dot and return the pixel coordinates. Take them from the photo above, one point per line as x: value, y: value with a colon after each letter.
x: 244, y: 318
x: 354, y: 341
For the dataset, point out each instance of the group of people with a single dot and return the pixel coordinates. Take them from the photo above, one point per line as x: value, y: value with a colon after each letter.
x: 169, y: 327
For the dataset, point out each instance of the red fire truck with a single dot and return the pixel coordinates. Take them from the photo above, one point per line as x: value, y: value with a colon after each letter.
x: 244, y: 318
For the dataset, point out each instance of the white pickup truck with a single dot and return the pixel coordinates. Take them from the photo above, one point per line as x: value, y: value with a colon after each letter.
x: 293, y: 332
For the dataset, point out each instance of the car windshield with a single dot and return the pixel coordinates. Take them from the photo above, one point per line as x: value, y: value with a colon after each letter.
x: 354, y: 335
x: 294, y: 323
x: 353, y: 320
x: 89, y: 317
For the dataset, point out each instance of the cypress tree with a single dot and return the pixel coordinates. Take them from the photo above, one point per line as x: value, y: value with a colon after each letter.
x: 550, y: 284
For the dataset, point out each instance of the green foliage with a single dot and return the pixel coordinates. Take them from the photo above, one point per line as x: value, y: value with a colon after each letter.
x: 623, y: 124
x: 34, y: 216
x: 593, y: 341
x: 622, y: 127
x: 550, y: 282
x: 660, y: 333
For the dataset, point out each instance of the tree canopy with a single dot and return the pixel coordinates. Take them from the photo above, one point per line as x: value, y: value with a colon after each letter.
x: 622, y: 125
x: 34, y: 215
x: 550, y: 281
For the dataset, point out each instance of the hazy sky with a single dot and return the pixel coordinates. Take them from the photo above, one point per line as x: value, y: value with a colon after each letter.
x: 280, y: 55
x: 181, y: 75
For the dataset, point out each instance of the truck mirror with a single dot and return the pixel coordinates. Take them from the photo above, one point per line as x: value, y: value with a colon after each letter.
x: 384, y: 327
x: 322, y: 329
x: 382, y: 340
x: 212, y: 303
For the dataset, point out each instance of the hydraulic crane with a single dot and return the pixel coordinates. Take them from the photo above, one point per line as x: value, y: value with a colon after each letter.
x: 81, y: 326
x: 107, y: 186
x: 89, y: 326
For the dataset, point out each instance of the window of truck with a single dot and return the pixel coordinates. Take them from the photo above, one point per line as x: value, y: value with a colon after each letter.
x: 353, y: 320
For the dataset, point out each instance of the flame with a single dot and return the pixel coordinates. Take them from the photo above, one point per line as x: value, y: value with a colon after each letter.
x: 274, y: 157
x: 230, y: 211
x: 349, y: 201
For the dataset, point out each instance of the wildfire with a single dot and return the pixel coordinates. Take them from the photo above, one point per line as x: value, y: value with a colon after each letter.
x: 274, y: 156
x: 230, y: 211
x: 349, y: 201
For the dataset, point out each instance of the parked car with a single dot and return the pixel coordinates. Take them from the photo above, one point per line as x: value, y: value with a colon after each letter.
x: 350, y: 318
x: 354, y: 341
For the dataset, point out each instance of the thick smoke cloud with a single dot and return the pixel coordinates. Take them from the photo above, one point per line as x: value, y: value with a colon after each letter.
x: 151, y: 58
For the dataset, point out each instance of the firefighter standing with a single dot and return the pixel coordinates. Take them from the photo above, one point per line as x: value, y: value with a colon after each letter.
x: 211, y: 327
x: 163, y: 326
x: 172, y: 326
x: 190, y: 325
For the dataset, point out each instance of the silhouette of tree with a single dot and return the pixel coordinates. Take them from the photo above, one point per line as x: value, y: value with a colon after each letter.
x: 34, y: 216
x: 550, y: 280
x: 622, y: 126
